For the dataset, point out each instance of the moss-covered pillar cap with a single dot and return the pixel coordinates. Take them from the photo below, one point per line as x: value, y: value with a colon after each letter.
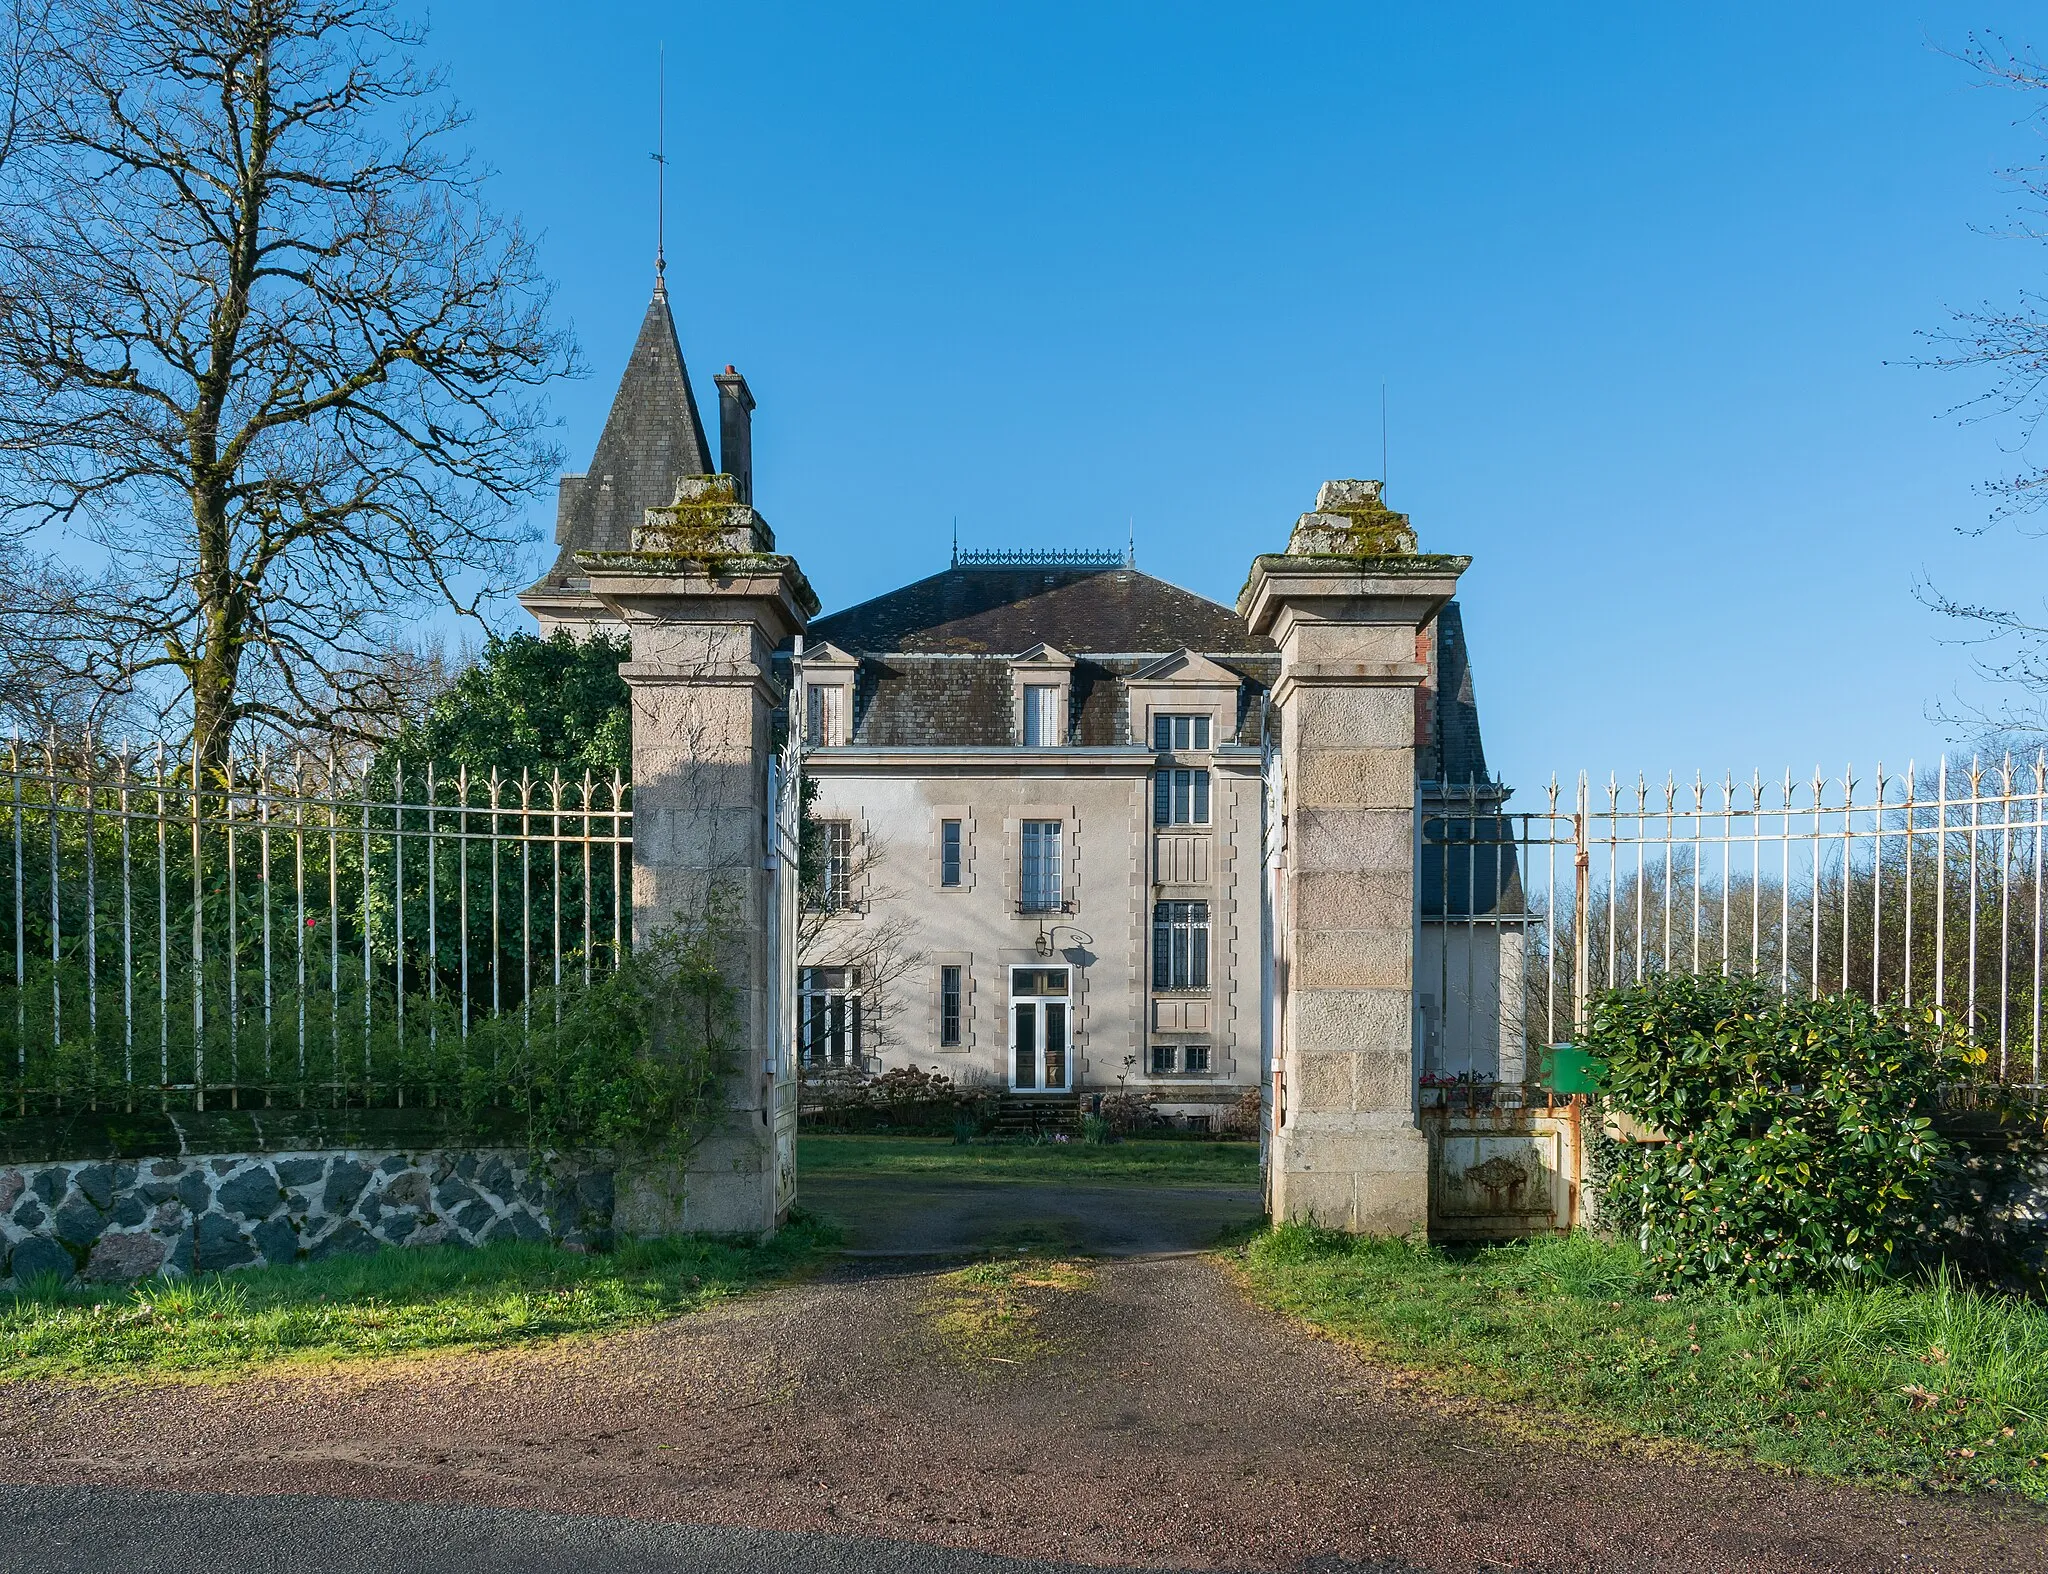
x: 1350, y: 560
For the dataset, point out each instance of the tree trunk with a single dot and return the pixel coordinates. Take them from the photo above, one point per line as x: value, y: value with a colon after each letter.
x: 212, y: 666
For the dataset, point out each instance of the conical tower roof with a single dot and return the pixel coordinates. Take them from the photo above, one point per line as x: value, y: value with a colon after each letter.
x: 652, y: 438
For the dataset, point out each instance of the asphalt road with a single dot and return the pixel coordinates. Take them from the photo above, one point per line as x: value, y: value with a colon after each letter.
x: 97, y: 1530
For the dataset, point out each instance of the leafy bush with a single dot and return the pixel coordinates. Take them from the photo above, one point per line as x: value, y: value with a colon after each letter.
x: 638, y: 1060
x: 531, y: 704
x: 1801, y: 1143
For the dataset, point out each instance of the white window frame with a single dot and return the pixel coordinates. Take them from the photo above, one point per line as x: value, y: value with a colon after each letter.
x: 1041, y: 870
x: 828, y: 1019
x: 1045, y: 718
x: 1042, y: 1022
x: 836, y: 886
x: 825, y: 714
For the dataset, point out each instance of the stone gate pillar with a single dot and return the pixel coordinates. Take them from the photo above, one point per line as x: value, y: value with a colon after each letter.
x: 1345, y: 603
x: 707, y: 600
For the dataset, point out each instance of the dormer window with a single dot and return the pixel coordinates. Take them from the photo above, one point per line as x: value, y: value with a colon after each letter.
x: 1180, y: 733
x: 825, y: 715
x: 1045, y: 722
x: 828, y: 678
x: 1041, y: 691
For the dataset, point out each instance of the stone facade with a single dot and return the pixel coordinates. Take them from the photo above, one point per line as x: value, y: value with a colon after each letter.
x: 121, y: 1219
x: 705, y: 600
x: 1117, y: 866
x: 1346, y: 1148
x: 1049, y: 831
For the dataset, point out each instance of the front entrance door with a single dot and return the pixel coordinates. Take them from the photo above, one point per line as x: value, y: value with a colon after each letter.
x: 1040, y: 1050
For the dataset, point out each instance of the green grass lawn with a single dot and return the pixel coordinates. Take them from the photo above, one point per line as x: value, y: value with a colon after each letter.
x: 1930, y: 1383
x: 940, y: 1158
x: 394, y: 1303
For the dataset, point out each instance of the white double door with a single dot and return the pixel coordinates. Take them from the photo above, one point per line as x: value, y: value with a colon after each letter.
x: 1041, y: 1012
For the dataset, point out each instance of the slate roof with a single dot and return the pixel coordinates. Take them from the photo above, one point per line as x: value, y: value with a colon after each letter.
x: 652, y: 438
x: 978, y: 610
x: 943, y: 701
x: 915, y: 690
x: 1459, y: 755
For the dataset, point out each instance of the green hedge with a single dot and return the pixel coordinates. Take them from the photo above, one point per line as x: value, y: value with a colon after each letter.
x: 1801, y: 1137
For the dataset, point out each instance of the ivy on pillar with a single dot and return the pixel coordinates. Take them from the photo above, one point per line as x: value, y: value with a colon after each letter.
x: 1344, y: 604
x: 707, y: 600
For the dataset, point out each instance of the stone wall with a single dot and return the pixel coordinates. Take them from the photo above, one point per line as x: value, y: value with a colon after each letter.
x: 127, y: 1218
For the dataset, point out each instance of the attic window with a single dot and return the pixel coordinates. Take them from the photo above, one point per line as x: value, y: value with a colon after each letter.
x: 825, y: 715
x: 1180, y: 732
x: 1044, y: 727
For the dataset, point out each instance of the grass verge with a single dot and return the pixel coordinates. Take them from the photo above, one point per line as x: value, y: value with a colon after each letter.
x: 990, y: 1312
x: 940, y: 1158
x: 396, y: 1302
x: 1930, y: 1383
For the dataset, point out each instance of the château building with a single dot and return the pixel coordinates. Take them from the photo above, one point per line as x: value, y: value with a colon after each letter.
x: 1040, y: 784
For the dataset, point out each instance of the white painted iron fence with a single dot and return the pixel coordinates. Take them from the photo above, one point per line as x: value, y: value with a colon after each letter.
x: 1922, y: 885
x: 286, y: 932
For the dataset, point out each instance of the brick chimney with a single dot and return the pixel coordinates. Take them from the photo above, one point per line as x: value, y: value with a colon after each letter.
x: 736, y: 431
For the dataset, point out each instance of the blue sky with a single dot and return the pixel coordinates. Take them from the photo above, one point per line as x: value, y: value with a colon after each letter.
x: 1633, y: 278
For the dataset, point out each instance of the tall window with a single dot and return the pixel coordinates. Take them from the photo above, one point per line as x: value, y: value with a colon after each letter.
x: 825, y: 715
x: 828, y: 1018
x: 838, y: 872
x: 949, y: 1007
x: 1180, y: 945
x: 1044, y: 726
x: 1180, y: 732
x: 949, y: 852
x: 1180, y: 797
x: 1040, y: 891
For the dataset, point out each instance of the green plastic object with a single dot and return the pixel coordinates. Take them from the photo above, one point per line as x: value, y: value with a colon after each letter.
x: 1573, y: 1070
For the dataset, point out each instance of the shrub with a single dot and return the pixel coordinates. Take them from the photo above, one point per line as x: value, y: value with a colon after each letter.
x: 906, y: 1098
x: 1245, y: 1117
x: 1128, y: 1113
x: 1800, y: 1137
x: 638, y: 1060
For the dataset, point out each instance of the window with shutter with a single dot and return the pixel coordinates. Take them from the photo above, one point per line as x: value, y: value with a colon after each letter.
x: 1044, y: 725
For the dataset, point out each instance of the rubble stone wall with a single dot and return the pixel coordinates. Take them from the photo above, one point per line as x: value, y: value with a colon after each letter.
x: 122, y: 1218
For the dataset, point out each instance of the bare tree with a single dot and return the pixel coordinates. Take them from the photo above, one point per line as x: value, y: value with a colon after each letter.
x: 848, y: 920
x: 262, y: 345
x: 2011, y: 345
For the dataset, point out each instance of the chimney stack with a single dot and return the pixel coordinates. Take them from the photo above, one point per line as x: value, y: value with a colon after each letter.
x: 736, y: 431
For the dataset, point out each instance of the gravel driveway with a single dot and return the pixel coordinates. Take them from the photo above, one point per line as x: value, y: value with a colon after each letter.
x: 892, y: 1216
x: 1168, y: 1423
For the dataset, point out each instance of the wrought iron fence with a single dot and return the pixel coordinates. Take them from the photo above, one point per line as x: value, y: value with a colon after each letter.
x: 1921, y: 885
x: 286, y: 931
